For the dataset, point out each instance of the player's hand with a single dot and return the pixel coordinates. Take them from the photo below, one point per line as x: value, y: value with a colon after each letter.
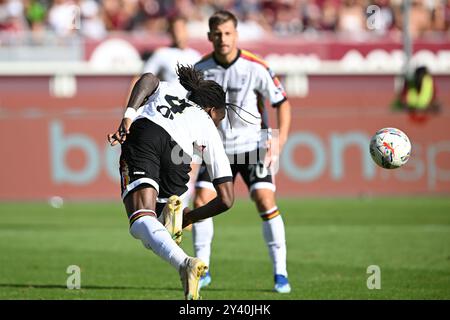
x: 272, y: 151
x: 274, y: 147
x: 268, y: 155
x: 121, y: 134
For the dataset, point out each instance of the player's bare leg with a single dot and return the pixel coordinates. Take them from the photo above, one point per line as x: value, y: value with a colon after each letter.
x: 274, y: 235
x: 144, y: 225
x: 203, y: 231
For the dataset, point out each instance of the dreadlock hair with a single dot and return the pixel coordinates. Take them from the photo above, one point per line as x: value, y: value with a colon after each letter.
x: 205, y: 93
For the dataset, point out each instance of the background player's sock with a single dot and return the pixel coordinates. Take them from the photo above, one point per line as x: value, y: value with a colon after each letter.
x: 154, y: 236
x: 202, y: 233
x: 273, y: 231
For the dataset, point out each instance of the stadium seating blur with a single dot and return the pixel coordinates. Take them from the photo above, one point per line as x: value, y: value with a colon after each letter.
x: 257, y: 17
x: 68, y: 30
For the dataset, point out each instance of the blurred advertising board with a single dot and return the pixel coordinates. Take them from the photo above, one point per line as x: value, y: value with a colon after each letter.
x: 57, y: 146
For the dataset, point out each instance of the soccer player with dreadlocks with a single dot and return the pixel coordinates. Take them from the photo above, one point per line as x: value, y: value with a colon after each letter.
x: 158, y: 144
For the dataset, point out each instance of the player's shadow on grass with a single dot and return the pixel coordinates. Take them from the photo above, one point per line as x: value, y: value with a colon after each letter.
x: 240, y: 289
x: 94, y: 287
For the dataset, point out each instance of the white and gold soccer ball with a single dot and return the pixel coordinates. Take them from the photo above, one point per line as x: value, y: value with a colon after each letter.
x: 390, y: 148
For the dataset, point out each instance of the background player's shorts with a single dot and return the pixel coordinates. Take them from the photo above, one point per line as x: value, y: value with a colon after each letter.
x: 251, y: 167
x: 146, y: 162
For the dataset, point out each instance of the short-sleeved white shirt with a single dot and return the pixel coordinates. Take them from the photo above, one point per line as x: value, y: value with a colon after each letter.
x: 248, y: 82
x: 164, y: 61
x: 189, y: 126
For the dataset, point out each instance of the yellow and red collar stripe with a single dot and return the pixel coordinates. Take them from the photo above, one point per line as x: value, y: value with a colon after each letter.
x: 252, y: 57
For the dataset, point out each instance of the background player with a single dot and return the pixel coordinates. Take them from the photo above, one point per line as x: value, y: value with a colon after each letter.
x: 164, y: 60
x: 157, y: 149
x: 248, y: 81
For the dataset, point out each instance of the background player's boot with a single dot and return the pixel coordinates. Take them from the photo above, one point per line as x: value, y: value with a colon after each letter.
x: 172, y: 218
x: 281, y: 284
x: 205, y: 280
x: 190, y: 273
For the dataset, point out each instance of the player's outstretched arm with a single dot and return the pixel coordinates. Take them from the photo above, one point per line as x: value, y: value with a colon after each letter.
x: 143, y: 88
x: 221, y: 203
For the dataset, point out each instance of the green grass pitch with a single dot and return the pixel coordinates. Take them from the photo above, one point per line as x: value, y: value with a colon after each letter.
x: 331, y: 242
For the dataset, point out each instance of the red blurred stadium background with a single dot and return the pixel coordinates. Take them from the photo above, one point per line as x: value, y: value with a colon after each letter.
x: 55, y: 143
x: 54, y: 115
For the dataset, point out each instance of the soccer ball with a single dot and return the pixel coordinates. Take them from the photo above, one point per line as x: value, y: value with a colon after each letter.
x: 390, y: 148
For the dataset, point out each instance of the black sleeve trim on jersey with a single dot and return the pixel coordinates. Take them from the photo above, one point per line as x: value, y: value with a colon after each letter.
x: 276, y: 105
x: 222, y: 180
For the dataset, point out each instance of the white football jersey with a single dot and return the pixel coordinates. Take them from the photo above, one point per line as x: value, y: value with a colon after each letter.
x: 189, y: 126
x: 164, y: 61
x: 248, y: 82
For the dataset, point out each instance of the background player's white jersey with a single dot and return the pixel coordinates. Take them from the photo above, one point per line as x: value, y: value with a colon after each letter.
x: 164, y: 61
x: 248, y: 81
x: 189, y: 126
